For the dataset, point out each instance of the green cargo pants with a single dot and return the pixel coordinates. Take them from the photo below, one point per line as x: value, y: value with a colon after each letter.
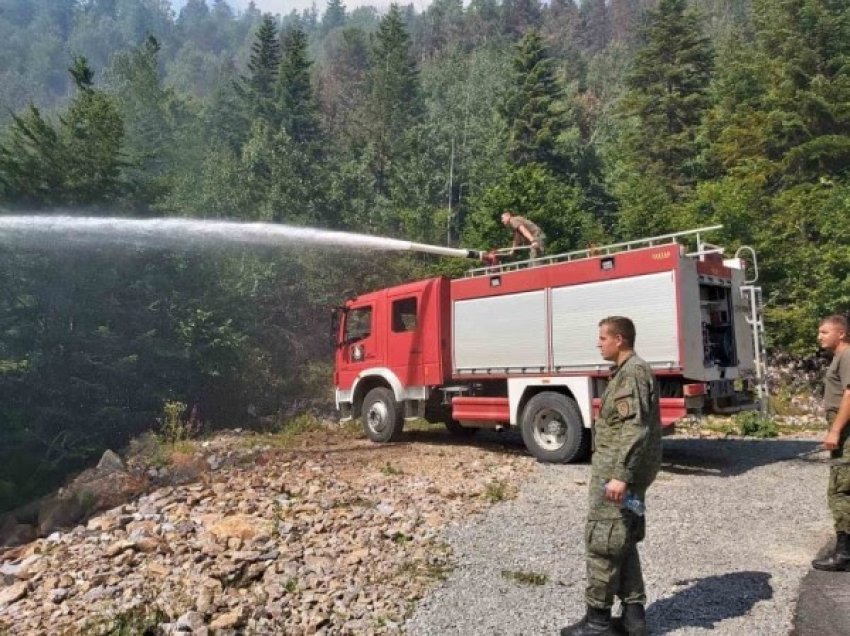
x: 613, y: 564
x: 838, y: 490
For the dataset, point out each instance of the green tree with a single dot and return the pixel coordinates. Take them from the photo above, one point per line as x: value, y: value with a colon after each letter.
x: 520, y: 16
x: 298, y: 108
x: 668, y: 93
x: 395, y: 105
x: 32, y: 162
x: 343, y: 87
x: 544, y: 122
x: 77, y: 162
x: 92, y: 133
x: 263, y: 68
x: 531, y: 105
x: 809, y: 118
x: 559, y: 208
x: 334, y: 17
x: 778, y: 152
x: 657, y: 146
x: 149, y: 111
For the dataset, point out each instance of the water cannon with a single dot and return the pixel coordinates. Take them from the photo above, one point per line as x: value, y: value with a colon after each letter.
x: 489, y: 258
x: 442, y: 251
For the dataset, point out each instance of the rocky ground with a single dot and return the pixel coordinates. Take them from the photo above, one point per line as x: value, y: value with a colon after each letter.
x: 318, y: 532
x: 732, y: 525
x: 334, y: 535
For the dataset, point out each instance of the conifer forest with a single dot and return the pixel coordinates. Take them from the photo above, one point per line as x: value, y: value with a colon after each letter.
x: 600, y: 120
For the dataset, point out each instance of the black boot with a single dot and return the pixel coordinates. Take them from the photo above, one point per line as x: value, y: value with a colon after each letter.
x: 838, y: 561
x: 632, y: 621
x: 596, y: 622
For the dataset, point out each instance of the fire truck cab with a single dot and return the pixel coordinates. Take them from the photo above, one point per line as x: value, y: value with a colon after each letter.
x: 515, y: 345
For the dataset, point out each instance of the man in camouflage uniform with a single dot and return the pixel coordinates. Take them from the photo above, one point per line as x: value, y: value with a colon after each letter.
x: 833, y: 336
x: 525, y: 231
x: 627, y: 457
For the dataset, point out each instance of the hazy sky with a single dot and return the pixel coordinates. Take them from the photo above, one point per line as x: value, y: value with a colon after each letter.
x: 285, y: 6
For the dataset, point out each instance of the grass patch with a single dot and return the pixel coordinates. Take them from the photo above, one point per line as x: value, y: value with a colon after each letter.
x: 751, y: 424
x: 422, y: 425
x: 496, y: 491
x: 352, y: 428
x: 138, y: 621
x: 353, y: 502
x: 389, y: 469
x: 723, y: 427
x: 526, y: 578
x: 421, y: 569
x: 288, y: 432
x: 399, y: 538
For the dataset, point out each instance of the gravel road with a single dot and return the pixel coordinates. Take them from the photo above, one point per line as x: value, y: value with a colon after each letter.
x: 731, y: 528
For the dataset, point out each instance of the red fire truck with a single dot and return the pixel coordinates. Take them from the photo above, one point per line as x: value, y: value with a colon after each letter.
x: 514, y: 345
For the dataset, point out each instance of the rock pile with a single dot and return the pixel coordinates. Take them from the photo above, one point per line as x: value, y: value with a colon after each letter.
x: 339, y: 540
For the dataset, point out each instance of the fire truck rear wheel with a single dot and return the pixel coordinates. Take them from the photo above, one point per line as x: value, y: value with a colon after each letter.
x: 382, y: 418
x: 552, y: 429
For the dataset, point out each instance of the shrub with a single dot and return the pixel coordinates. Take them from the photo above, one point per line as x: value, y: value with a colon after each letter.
x: 173, y: 429
x: 755, y: 424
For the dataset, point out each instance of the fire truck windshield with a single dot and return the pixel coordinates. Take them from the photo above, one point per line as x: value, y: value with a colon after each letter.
x: 358, y: 324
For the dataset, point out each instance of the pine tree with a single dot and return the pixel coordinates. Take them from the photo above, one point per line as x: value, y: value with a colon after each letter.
x: 334, y: 17
x: 298, y: 108
x: 224, y: 112
x: 530, y: 108
x: 668, y: 93
x: 145, y: 109
x: 395, y: 104
x: 342, y: 87
x: 32, y: 162
x: 77, y: 162
x: 520, y: 16
x: 263, y: 68
x: 560, y: 25
x: 595, y: 32
x: 808, y: 43
x: 92, y: 133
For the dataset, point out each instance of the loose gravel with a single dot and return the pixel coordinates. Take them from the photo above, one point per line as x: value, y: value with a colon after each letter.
x: 731, y: 527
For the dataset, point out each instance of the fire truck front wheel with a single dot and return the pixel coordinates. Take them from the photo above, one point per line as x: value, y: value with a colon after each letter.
x: 383, y: 420
x: 552, y: 429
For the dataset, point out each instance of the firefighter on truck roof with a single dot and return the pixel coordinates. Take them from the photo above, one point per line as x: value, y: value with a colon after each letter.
x: 525, y: 232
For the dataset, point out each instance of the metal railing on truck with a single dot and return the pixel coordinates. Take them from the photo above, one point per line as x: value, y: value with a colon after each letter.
x: 596, y: 251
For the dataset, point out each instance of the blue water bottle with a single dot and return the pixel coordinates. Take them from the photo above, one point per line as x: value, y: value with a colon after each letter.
x: 631, y: 502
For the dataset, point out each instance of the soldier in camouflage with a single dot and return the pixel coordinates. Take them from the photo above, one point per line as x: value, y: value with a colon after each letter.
x: 627, y: 457
x: 833, y: 335
x: 525, y: 231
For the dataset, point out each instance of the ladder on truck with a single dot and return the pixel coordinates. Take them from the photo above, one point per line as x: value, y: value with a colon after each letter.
x: 752, y: 294
x: 596, y: 251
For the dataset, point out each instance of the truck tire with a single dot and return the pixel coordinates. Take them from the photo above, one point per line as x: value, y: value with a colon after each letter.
x: 552, y: 429
x: 382, y: 418
x: 456, y: 429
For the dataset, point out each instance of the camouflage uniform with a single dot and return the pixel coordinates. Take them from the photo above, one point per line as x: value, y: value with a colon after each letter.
x: 627, y: 447
x: 516, y: 222
x: 837, y: 379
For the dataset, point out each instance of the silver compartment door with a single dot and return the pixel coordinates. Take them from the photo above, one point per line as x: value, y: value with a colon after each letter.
x: 500, y: 333
x: 650, y: 301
